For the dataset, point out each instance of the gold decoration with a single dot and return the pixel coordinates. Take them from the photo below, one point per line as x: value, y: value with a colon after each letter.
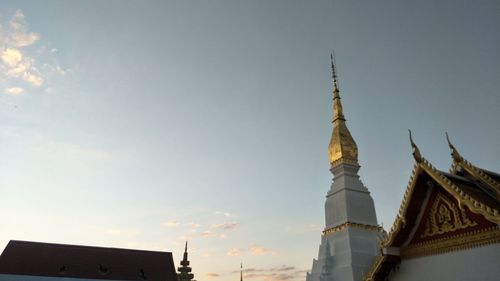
x: 341, y: 227
x: 453, y: 243
x: 370, y: 276
x: 342, y: 145
x: 475, y: 206
x: 459, y: 161
x: 445, y: 217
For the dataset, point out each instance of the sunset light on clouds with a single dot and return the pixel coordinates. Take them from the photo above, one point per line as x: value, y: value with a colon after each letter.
x: 143, y: 124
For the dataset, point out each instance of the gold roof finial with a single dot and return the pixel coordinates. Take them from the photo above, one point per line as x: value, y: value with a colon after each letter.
x: 416, y: 151
x: 454, y: 152
x: 342, y: 146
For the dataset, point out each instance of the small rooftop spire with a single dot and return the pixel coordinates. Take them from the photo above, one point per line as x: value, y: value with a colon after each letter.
x: 241, y: 271
x: 185, y: 270
x: 416, y: 151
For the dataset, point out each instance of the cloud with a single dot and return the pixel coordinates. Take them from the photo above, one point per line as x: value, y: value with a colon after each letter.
x: 14, y: 90
x: 18, y: 67
x: 33, y: 79
x: 171, y: 223
x: 207, y: 233
x: 11, y: 56
x: 226, y: 214
x: 212, y: 274
x: 261, y: 251
x: 227, y: 226
x: 281, y: 273
x: 193, y: 225
x: 234, y: 252
x: 19, y: 35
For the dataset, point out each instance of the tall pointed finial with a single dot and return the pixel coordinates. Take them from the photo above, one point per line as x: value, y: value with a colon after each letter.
x: 334, y: 73
x: 186, y: 246
x: 342, y: 146
x: 416, y: 151
x: 241, y: 271
x: 454, y: 153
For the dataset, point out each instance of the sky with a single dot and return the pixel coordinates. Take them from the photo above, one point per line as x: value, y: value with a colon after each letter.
x: 142, y: 124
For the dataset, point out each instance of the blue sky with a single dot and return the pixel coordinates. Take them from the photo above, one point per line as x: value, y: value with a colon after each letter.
x: 140, y: 124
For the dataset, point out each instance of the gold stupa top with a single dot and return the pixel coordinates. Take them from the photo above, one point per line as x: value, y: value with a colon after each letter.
x: 342, y: 148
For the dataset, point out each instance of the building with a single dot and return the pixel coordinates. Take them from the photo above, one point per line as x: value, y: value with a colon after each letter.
x: 447, y: 227
x: 350, y: 240
x: 33, y: 261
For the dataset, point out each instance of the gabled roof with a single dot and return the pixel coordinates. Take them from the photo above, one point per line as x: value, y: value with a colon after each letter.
x: 472, y: 187
x: 58, y: 260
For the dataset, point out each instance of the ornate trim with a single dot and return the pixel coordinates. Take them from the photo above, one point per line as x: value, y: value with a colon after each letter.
x: 453, y: 243
x: 475, y: 206
x: 478, y: 173
x: 375, y: 268
x: 341, y: 227
x: 400, y: 221
x: 445, y: 217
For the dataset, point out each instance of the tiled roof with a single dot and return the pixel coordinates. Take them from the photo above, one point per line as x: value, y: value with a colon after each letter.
x: 58, y: 260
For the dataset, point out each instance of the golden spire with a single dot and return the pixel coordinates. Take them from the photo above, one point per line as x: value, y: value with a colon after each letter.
x: 342, y: 146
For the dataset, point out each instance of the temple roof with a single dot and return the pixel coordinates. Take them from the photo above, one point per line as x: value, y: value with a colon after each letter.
x: 71, y: 261
x: 473, y: 188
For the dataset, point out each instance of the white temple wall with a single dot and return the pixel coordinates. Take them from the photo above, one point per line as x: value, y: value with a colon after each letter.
x: 482, y: 263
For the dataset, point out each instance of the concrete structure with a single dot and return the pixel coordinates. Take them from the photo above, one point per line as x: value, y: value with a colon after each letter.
x: 447, y: 227
x: 350, y: 240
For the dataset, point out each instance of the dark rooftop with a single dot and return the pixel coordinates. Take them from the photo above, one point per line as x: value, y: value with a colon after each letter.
x: 58, y: 260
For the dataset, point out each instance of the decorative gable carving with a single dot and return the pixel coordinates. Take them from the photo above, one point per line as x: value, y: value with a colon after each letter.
x: 445, y: 216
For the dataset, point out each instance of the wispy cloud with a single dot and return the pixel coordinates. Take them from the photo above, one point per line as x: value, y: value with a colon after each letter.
x: 261, y: 251
x: 14, y: 90
x: 193, y: 225
x: 234, y: 252
x: 226, y: 214
x: 280, y: 273
x: 227, y: 225
x: 171, y: 223
x: 19, y: 68
x: 212, y: 274
x: 253, y: 250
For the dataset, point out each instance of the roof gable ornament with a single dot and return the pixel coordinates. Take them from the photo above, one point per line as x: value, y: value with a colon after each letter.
x: 416, y: 151
x: 461, y: 164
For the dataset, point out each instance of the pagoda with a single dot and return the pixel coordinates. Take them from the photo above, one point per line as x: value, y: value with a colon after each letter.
x: 349, y: 243
x: 185, y: 270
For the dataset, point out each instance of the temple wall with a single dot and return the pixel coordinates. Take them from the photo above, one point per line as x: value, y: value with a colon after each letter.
x: 482, y: 263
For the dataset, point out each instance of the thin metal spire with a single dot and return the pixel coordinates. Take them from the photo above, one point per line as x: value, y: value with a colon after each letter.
x: 241, y: 271
x: 334, y: 72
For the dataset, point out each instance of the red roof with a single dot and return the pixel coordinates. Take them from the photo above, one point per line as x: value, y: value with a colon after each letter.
x: 57, y: 260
